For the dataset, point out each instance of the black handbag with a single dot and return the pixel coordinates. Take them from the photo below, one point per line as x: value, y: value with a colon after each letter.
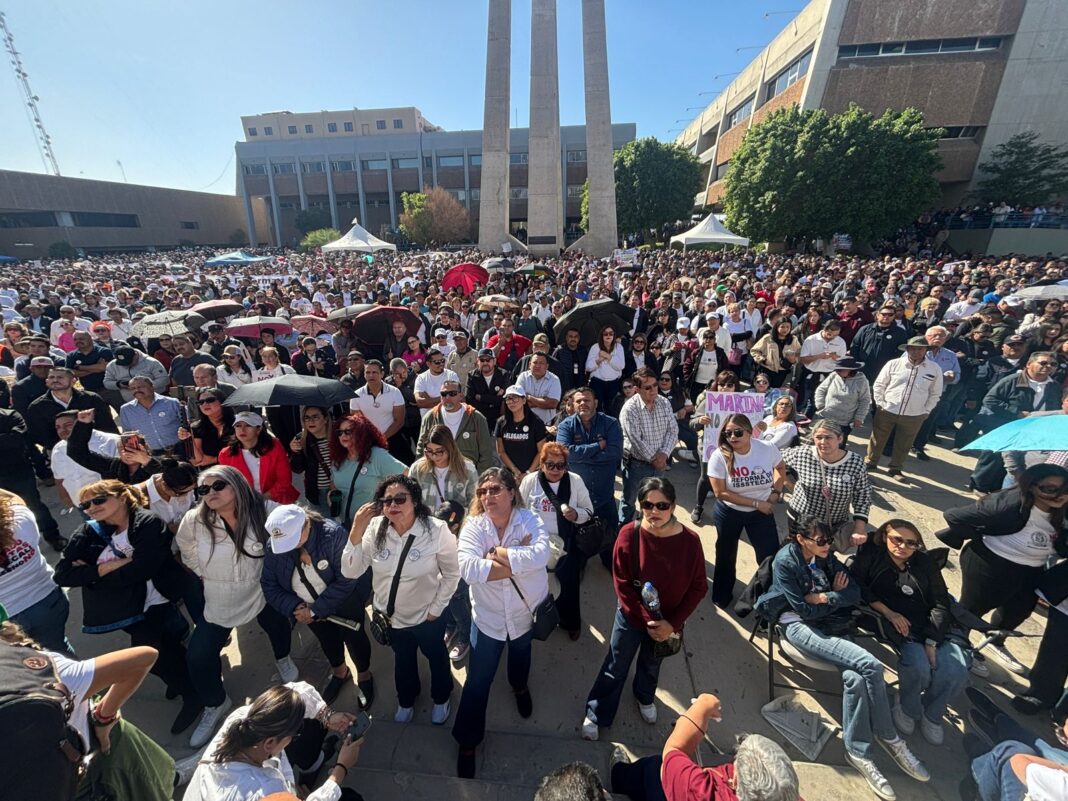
x: 381, y: 625
x: 546, y: 616
x: 591, y: 537
x: 662, y: 648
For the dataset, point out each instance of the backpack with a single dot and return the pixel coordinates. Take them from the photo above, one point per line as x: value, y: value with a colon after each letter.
x: 759, y: 584
x: 40, y: 752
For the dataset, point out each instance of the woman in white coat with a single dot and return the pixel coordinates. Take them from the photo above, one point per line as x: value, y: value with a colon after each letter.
x: 503, y: 553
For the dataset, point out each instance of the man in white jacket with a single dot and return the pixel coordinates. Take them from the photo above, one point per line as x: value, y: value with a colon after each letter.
x: 905, y: 392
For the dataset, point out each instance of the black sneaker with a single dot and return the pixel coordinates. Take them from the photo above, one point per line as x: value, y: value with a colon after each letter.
x: 893, y: 472
x: 524, y: 703
x: 191, y: 709
x: 367, y: 689
x: 922, y: 456
x: 695, y: 515
x: 334, y: 687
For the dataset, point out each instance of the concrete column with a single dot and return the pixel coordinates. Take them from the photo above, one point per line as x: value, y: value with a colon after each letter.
x: 602, y: 236
x: 359, y: 191
x: 330, y: 192
x: 545, y: 219
x: 467, y: 181
x: 389, y: 186
x: 493, y: 202
x: 275, y: 212
x: 422, y: 184
x: 250, y: 216
x: 300, y: 185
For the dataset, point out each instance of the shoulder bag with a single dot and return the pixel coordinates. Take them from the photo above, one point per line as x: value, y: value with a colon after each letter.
x: 352, y: 486
x: 673, y: 644
x: 591, y: 537
x: 381, y: 625
x: 546, y: 616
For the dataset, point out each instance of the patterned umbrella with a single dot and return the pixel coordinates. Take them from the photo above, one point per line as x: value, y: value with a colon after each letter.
x: 252, y: 326
x: 167, y: 322
x: 497, y: 302
x: 311, y: 325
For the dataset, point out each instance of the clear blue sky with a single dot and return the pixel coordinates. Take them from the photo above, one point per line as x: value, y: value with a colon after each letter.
x: 161, y: 85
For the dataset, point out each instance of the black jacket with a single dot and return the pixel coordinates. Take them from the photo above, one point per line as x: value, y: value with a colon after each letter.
x: 41, y: 416
x: 927, y: 605
x: 995, y: 515
x: 15, y: 443
x: 26, y: 391
x: 572, y: 366
x: 1013, y: 394
x: 106, y: 466
x: 308, y: 458
x: 876, y: 346
x: 487, y: 395
x: 117, y: 600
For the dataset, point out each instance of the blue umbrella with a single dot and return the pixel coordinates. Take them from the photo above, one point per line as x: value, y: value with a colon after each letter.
x: 7, y: 259
x: 1046, y: 433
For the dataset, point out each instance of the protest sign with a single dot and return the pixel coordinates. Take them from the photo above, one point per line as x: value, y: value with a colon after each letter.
x: 721, y: 404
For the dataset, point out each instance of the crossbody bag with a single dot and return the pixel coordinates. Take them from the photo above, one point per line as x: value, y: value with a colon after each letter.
x: 381, y: 624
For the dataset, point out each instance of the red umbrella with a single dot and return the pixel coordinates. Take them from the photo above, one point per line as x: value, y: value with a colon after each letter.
x: 465, y: 277
x: 311, y: 325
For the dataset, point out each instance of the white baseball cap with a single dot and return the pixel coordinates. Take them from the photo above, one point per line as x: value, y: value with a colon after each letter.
x: 249, y: 418
x: 285, y: 524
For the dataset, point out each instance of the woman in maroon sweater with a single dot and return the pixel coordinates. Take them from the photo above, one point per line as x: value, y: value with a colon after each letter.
x: 669, y: 556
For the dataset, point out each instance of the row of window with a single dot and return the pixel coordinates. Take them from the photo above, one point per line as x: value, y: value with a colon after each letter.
x: 331, y: 127
x: 920, y: 47
x: 741, y: 113
x: 403, y: 163
x: 789, y: 76
x: 961, y: 131
x: 76, y: 219
x: 574, y: 192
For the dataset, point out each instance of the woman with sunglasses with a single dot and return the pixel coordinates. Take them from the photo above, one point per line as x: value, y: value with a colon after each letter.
x: 900, y: 581
x: 810, y: 599
x: 415, y: 355
x: 234, y: 368
x: 212, y: 431
x: 605, y: 363
x: 411, y: 556
x: 656, y: 550
x: 562, y: 501
x: 627, y: 390
x: 777, y: 352
x: 725, y: 381
x: 359, y: 460
x: 260, y: 458
x: 779, y: 428
x: 747, y: 476
x: 503, y: 551
x: 223, y: 540
x: 519, y: 434
x: 121, y: 559
x: 1011, y: 535
x: 309, y: 453
x: 443, y: 473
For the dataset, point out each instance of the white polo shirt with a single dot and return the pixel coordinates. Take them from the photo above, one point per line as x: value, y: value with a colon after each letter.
x: 378, y: 408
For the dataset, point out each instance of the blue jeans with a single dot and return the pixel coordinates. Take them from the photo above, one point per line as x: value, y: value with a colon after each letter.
x: 626, y: 641
x: 688, y: 437
x: 925, y: 691
x: 204, y: 653
x: 46, y: 621
x: 634, y: 472
x: 470, y: 727
x: 994, y: 775
x: 458, y: 613
x: 865, y: 707
x: 730, y: 523
x: 429, y: 638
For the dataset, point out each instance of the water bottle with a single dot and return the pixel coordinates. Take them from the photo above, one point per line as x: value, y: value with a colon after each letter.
x: 651, y: 600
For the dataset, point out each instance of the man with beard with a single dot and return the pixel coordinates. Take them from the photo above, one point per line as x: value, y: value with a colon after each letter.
x: 571, y: 358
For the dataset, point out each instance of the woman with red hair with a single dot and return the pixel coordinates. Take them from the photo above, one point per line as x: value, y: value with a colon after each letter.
x: 359, y: 461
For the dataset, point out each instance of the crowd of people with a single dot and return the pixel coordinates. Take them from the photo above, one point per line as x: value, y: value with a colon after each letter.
x: 474, y: 468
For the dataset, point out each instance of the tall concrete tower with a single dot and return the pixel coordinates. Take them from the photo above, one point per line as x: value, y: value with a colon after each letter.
x: 545, y: 207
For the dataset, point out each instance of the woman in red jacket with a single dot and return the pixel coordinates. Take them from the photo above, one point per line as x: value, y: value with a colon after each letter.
x: 260, y: 458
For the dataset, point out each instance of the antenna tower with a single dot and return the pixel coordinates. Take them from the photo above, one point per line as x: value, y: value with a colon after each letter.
x: 44, y: 141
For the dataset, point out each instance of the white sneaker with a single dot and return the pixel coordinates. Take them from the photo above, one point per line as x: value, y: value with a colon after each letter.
x: 932, y: 732
x: 287, y: 670
x: 589, y: 729
x: 648, y: 712
x: 1008, y: 660
x: 404, y: 714
x: 905, y: 759
x: 873, y: 776
x: 979, y: 667
x: 184, y: 768
x: 687, y: 455
x: 210, y: 718
x: 440, y: 713
x: 905, y: 724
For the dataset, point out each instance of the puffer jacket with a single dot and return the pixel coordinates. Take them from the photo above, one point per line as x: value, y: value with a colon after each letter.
x: 326, y: 541
x: 843, y: 400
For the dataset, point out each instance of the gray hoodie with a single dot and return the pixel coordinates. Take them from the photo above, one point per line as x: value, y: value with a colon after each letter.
x: 843, y: 400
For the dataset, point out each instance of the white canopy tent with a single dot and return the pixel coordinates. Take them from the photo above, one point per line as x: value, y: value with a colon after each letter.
x: 709, y: 230
x: 359, y: 239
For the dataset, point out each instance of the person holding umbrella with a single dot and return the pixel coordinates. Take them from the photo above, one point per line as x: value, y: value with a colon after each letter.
x: 604, y: 363
x: 314, y: 362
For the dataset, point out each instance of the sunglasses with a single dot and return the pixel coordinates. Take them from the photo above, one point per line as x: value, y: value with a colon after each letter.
x: 1046, y: 364
x: 492, y: 491
x: 819, y: 542
x: 395, y: 500
x: 449, y: 393
x: 660, y: 506
x: 207, y: 401
x: 100, y: 500
x: 901, y: 542
x: 734, y: 433
x: 346, y: 432
x: 554, y: 465
x: 1051, y: 492
x: 437, y: 361
x: 215, y: 486
x: 485, y: 358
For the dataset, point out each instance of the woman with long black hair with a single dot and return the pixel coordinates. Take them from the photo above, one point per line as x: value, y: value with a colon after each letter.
x: 605, y: 363
x: 309, y: 453
x: 212, y: 431
x: 260, y: 458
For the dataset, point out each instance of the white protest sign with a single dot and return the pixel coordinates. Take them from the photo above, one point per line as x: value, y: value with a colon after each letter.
x: 721, y: 404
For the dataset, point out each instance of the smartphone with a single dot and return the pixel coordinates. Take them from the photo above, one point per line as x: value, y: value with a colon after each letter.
x: 359, y: 726
x: 132, y: 440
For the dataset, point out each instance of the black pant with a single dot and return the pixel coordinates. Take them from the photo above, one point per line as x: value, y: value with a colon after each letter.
x: 989, y: 581
x: 704, y: 485
x: 1051, y: 665
x: 640, y: 780
x: 334, y: 639
x: 24, y: 485
x: 809, y: 383
x: 304, y: 749
x: 569, y: 573
x: 162, y: 628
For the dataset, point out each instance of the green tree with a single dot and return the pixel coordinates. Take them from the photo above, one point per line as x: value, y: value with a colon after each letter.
x: 655, y: 184
x: 308, y: 220
x: 1024, y: 172
x: 804, y: 174
x: 584, y: 209
x: 434, y: 215
x: 415, y: 221
x: 62, y: 250
x: 318, y: 238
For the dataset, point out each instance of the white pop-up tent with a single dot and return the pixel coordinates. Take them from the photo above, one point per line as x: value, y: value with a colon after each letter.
x: 709, y: 230
x: 359, y: 239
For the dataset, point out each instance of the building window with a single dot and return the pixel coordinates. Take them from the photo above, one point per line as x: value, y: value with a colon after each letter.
x: 576, y: 156
x: 920, y: 47
x: 285, y: 168
x: 342, y: 166
x: 721, y: 170
x: 251, y: 131
x: 189, y: 225
x: 574, y: 192
x: 474, y: 159
x: 517, y: 158
x: 789, y: 76
x: 741, y: 113
x: 374, y: 164
x: 961, y: 131
x: 293, y: 130
x: 331, y: 127
x: 476, y: 195
x: 517, y: 192
x: 28, y: 219
x: 364, y: 129
x: 450, y: 161
x: 459, y: 194
x: 406, y: 163
x: 398, y: 124
x: 428, y: 162
x: 309, y: 129
x: 348, y: 127
x: 254, y: 169
x: 380, y: 125
x: 312, y: 166
x: 268, y: 130
x: 100, y: 219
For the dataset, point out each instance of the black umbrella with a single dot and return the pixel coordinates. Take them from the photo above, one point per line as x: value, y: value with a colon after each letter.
x: 292, y: 390
x: 590, y: 317
x: 375, y: 326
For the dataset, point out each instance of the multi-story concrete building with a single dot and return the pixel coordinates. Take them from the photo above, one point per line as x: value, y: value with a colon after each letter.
x: 358, y: 163
x: 97, y: 216
x: 981, y: 69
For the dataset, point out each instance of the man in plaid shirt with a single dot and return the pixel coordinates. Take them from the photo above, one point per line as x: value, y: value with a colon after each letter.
x: 650, y: 432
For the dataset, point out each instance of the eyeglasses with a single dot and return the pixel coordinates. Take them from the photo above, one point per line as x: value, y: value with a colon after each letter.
x: 311, y: 418
x: 346, y: 432
x: 215, y: 486
x: 100, y: 500
x: 734, y: 433
x: 819, y: 542
x: 1045, y: 363
x: 485, y: 358
x: 437, y: 361
x: 395, y: 500
x: 449, y: 393
x: 435, y: 451
x: 901, y: 542
x: 492, y: 491
x: 1051, y: 492
x: 554, y: 465
x: 660, y: 506
x: 207, y: 401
